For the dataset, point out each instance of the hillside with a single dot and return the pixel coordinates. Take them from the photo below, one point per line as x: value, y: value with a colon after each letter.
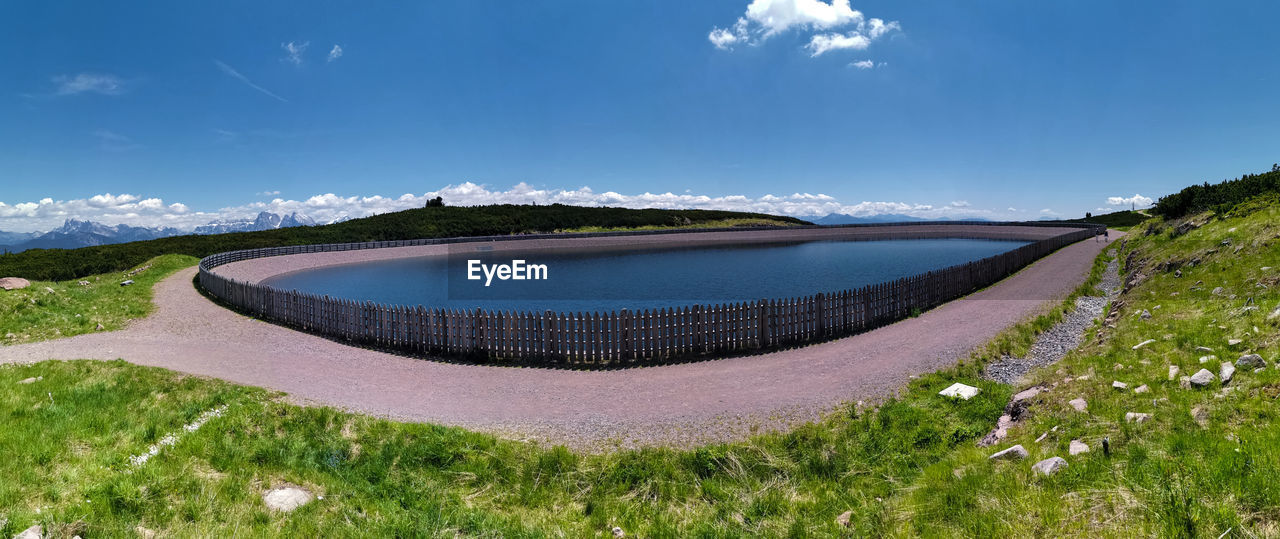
x: 437, y: 222
x: 1119, y: 219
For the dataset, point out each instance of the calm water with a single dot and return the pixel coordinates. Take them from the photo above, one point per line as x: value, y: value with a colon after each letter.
x: 643, y: 279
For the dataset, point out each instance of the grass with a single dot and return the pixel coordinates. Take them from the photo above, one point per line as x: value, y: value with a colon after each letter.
x: 907, y: 467
x: 718, y: 223
x: 52, y: 309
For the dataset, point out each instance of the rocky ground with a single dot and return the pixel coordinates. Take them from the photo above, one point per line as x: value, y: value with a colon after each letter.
x: 1063, y: 337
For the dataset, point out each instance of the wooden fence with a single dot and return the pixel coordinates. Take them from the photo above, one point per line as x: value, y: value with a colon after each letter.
x: 620, y: 338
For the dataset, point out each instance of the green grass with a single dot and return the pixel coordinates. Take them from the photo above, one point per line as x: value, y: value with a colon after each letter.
x: 1120, y: 220
x: 47, y: 310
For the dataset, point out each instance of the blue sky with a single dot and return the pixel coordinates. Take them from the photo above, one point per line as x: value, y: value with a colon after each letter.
x: 189, y: 112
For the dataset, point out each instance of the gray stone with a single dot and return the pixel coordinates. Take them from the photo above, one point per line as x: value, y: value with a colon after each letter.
x: 14, y: 283
x: 83, y: 283
x: 1274, y: 314
x: 31, y: 380
x: 1027, y: 393
x: 1202, y: 378
x: 1080, y: 405
x: 1205, y: 349
x: 286, y: 498
x: 1119, y: 385
x: 1201, y: 415
x: 1136, y: 417
x: 126, y: 282
x: 1173, y: 372
x: 34, y: 532
x: 1251, y: 361
x: 1146, y: 315
x: 1205, y: 359
x: 1226, y: 371
x: 99, y: 327
x: 998, y: 433
x: 1219, y: 291
x: 1049, y: 466
x: 1142, y: 389
x: 845, y: 518
x: 617, y: 531
x: 1077, y: 447
x: 1016, y: 452
x: 1233, y: 342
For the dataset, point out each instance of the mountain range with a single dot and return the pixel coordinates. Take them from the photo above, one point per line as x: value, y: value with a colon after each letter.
x: 75, y: 233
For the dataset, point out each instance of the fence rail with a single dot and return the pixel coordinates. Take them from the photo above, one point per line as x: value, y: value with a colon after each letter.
x: 619, y: 338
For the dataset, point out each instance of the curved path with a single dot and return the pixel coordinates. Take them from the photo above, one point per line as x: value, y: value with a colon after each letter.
x: 671, y: 405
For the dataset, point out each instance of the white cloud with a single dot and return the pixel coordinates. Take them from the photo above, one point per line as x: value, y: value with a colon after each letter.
x: 150, y: 211
x: 268, y: 193
x: 334, y: 53
x: 293, y: 51
x: 766, y: 18
x: 863, y: 64
x: 99, y: 83
x: 1135, y: 200
x: 1048, y: 211
x: 960, y: 204
x: 230, y: 71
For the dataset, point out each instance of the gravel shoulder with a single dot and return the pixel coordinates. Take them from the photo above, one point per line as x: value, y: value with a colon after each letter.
x: 684, y: 404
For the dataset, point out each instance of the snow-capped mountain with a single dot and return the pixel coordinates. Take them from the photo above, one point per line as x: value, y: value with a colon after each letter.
x: 75, y: 233
x: 264, y: 221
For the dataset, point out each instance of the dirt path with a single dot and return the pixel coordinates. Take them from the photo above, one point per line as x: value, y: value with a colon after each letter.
x: 678, y: 404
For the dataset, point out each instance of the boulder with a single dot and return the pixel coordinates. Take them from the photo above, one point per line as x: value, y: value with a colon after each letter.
x: 1226, y: 371
x: 1136, y: 417
x: 1202, y: 378
x: 1251, y: 361
x: 1049, y: 466
x: 958, y: 390
x: 286, y: 498
x: 14, y: 283
x: 34, y: 532
x: 1079, y: 404
x: 1077, y: 447
x: 1016, y: 452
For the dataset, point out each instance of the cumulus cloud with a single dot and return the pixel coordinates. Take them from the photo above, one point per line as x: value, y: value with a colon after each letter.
x: 863, y: 64
x: 766, y: 18
x: 1135, y: 200
x: 98, y: 83
x: 334, y: 53
x: 137, y: 210
x: 293, y: 51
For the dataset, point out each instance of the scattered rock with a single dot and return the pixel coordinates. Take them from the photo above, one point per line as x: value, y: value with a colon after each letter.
x: 99, y: 327
x: 1049, y: 466
x: 1080, y: 405
x: 1274, y: 314
x: 998, y: 433
x: 1233, y: 342
x: 1143, y: 343
x: 960, y: 390
x: 34, y: 532
x: 1205, y: 359
x: 1016, y: 452
x: 1201, y: 415
x: 49, y: 290
x: 1173, y: 372
x: 1226, y: 371
x: 1177, y: 273
x: 1136, y: 417
x: 14, y: 283
x: 83, y: 283
x: 286, y: 498
x: 1028, y: 393
x: 1046, y: 434
x: 1205, y: 349
x: 1146, y: 315
x: 1077, y: 447
x: 1142, y: 389
x: 1119, y: 385
x: 843, y: 520
x: 1184, y: 382
x: 1218, y: 291
x: 1202, y: 378
x: 144, y: 532
x: 617, y: 532
x: 126, y: 282
x: 1251, y: 361
x: 31, y: 380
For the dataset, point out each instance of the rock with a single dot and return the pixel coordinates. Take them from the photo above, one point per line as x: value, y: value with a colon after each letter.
x: 31, y: 380
x: 1142, y: 389
x: 1077, y: 447
x: 99, y: 327
x: 1205, y: 359
x: 1202, y: 378
x: 617, y: 532
x: 1218, y: 291
x: 34, y: 532
x: 1259, y: 369
x: 1248, y: 361
x: 286, y: 498
x: 845, y: 519
x: 1080, y: 405
x: 1226, y: 371
x: 1136, y: 417
x: 1145, y: 315
x: 1016, y: 452
x: 144, y: 532
x: 1119, y: 385
x: 1049, y: 466
x: 1201, y: 415
x: 1233, y: 342
x: 1143, y: 343
x: 960, y: 390
x: 1118, y: 367
x: 126, y: 282
x: 1046, y: 434
x: 14, y: 283
x: 1173, y: 372
x: 1184, y: 382
x: 1177, y: 273
x: 998, y: 433
x: 83, y: 283
x: 1274, y: 314
x: 1027, y: 393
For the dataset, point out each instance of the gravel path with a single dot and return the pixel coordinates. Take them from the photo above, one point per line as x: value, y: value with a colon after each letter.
x: 683, y: 404
x: 1064, y: 336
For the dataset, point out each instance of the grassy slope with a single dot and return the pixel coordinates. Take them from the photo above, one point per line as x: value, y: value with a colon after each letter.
x: 35, y: 313
x: 383, y: 478
x: 58, y: 264
x: 1120, y: 220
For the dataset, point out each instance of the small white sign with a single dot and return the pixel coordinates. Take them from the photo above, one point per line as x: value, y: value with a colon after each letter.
x: 960, y: 390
